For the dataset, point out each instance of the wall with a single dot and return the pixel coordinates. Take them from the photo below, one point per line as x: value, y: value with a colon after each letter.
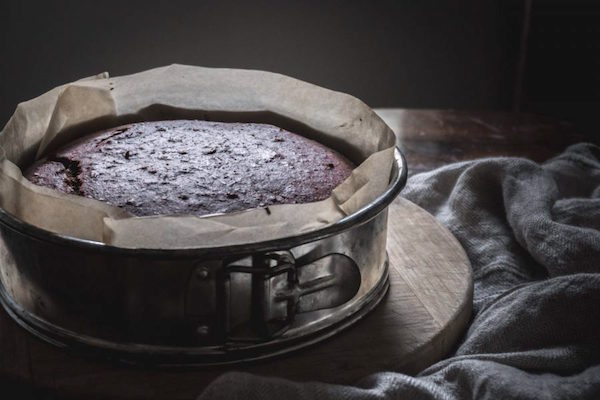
x: 436, y: 54
x: 562, y: 74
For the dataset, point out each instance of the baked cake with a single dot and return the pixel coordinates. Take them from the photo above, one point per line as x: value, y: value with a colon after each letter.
x: 193, y: 167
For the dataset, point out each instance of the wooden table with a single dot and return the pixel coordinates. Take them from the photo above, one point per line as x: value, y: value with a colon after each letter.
x: 430, y: 139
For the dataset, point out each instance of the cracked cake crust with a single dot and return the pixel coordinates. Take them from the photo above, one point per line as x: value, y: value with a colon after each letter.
x: 193, y: 167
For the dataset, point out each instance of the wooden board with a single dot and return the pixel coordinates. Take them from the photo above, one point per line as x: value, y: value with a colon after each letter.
x: 424, y: 314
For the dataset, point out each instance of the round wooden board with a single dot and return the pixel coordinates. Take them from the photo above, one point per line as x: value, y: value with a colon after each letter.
x: 424, y: 314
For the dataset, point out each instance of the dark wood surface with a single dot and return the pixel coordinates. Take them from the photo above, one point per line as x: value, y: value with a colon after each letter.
x: 432, y: 138
x: 429, y: 138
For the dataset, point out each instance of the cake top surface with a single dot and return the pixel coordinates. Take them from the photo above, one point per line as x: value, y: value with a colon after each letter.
x: 193, y: 167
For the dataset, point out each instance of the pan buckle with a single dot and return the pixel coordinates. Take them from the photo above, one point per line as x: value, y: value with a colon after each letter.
x: 267, y: 291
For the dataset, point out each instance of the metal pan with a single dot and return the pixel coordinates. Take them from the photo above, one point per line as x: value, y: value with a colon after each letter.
x: 203, y: 306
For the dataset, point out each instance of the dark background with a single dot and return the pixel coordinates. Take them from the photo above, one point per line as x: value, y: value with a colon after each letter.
x: 540, y: 56
x: 537, y: 56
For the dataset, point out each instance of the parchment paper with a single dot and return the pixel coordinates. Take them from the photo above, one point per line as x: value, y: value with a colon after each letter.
x: 40, y: 125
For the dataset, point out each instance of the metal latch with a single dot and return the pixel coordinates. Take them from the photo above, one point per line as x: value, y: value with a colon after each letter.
x: 265, y: 292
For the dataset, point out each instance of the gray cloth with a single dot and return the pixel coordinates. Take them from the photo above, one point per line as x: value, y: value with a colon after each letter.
x: 532, y: 233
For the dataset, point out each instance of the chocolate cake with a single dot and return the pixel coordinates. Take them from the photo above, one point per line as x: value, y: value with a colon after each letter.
x: 193, y: 167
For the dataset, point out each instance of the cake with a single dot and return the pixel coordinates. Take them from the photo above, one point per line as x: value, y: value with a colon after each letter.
x: 193, y: 167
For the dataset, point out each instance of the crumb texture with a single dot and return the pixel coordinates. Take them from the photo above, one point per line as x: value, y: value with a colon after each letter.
x: 193, y: 167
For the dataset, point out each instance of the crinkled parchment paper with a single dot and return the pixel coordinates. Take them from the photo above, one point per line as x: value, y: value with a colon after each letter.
x: 338, y: 120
